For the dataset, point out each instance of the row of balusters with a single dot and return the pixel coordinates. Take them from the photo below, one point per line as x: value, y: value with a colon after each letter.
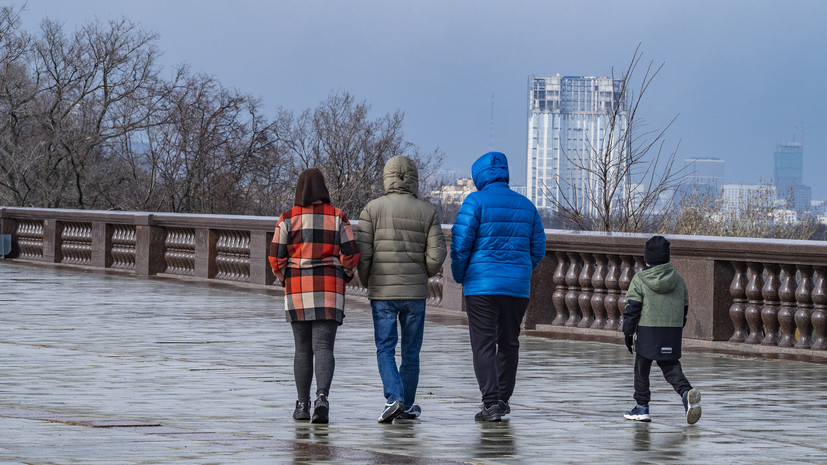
x: 232, y: 259
x: 30, y: 239
x: 179, y: 251
x: 781, y: 305
x: 123, y: 246
x: 435, y: 287
x: 76, y: 243
x: 590, y: 289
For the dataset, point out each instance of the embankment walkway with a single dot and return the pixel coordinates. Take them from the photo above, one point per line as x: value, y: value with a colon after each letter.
x: 103, y: 368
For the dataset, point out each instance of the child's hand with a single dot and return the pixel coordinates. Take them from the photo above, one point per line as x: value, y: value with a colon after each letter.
x: 630, y: 340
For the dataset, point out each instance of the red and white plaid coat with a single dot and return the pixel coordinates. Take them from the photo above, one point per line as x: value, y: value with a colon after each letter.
x: 314, y: 254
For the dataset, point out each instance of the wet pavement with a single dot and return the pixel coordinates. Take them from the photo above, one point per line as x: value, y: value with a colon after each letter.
x: 107, y: 368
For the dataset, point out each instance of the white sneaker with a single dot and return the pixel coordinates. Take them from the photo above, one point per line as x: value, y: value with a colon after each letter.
x: 392, y: 410
x: 692, y: 405
x: 639, y: 413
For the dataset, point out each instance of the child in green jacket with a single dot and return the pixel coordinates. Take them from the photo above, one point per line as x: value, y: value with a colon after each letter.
x: 657, y: 304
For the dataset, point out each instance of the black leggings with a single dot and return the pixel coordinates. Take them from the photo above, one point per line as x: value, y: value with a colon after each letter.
x: 314, y: 340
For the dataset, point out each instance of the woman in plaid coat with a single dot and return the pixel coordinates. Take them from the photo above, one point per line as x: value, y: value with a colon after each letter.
x: 313, y: 255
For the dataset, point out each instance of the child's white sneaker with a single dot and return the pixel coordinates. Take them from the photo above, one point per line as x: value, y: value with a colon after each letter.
x: 639, y: 413
x: 692, y: 405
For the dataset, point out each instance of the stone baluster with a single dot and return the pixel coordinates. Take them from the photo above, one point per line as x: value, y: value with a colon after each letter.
x: 737, y: 289
x: 753, y: 311
x: 639, y: 264
x: 819, y: 318
x: 769, y: 314
x: 613, y: 292
x: 803, y: 296
x: 626, y: 274
x: 599, y: 295
x: 572, y: 284
x: 584, y: 300
x: 558, y: 298
x: 786, y: 293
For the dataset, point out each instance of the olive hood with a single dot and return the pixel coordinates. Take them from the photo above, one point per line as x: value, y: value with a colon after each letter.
x: 401, y: 176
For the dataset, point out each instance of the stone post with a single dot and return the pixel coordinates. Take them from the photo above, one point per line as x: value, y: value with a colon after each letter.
x: 9, y: 226
x: 52, y: 241
x: 101, y: 244
x: 451, y: 290
x: 205, y: 252
x: 149, y: 246
x: 541, y: 305
x: 260, y: 271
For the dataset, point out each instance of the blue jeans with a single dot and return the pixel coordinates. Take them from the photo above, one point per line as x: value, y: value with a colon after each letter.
x: 401, y: 383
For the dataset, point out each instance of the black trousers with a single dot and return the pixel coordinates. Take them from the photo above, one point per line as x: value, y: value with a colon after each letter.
x: 494, y: 325
x: 671, y: 371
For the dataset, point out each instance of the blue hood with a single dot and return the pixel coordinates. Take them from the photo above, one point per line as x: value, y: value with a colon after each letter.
x: 491, y: 167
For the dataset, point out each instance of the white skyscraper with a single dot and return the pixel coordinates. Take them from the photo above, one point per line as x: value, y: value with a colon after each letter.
x: 568, y: 122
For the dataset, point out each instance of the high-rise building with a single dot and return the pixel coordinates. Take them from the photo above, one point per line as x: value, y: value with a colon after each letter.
x: 789, y: 175
x: 706, y: 172
x: 701, y: 174
x: 568, y: 120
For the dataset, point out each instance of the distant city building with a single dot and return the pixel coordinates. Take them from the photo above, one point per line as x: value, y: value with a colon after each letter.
x: 789, y: 175
x: 702, y: 173
x: 568, y: 117
x: 818, y: 207
x: 519, y: 189
x: 453, y: 193
x: 736, y: 197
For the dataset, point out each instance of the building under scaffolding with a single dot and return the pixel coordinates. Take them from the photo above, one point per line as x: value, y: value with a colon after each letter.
x: 571, y: 121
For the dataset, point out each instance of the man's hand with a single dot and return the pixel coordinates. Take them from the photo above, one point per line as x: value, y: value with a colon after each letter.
x: 630, y: 340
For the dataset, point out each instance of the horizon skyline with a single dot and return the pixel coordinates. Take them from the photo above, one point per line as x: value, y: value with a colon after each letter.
x: 740, y: 76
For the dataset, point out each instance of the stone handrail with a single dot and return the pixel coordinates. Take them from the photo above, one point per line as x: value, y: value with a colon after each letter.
x: 762, y: 292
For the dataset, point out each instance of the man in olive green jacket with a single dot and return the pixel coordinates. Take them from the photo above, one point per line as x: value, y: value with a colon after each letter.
x: 401, y: 244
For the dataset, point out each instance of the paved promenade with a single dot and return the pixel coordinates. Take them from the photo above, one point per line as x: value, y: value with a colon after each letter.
x: 100, y: 368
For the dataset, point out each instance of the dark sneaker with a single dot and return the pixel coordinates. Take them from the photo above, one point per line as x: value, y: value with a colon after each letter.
x: 639, y: 413
x: 491, y: 413
x: 692, y: 405
x: 505, y: 409
x: 411, y: 414
x: 321, y: 408
x: 302, y: 411
x: 392, y: 410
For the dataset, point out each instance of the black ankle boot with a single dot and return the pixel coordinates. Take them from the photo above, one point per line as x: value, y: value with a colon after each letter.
x: 302, y: 411
x: 320, y: 409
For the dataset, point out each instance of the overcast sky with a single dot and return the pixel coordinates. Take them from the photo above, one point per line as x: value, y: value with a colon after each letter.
x: 741, y: 75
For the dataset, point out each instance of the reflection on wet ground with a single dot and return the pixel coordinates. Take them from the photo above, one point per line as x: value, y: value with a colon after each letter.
x: 172, y: 372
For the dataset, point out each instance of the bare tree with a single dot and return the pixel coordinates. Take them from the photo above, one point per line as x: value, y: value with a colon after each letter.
x: 205, y: 150
x: 702, y: 211
x: 65, y: 97
x: 339, y: 137
x: 17, y: 123
x: 87, y: 121
x: 631, y: 180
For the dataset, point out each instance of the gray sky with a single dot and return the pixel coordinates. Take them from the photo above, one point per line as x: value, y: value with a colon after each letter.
x: 742, y: 75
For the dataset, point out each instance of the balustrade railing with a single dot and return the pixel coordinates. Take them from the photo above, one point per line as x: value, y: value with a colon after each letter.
x: 76, y: 243
x: 179, y: 251
x: 30, y: 239
x: 760, y: 294
x: 779, y: 304
x: 123, y: 246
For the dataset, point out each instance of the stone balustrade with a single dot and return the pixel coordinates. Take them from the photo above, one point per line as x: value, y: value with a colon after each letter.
x: 749, y: 292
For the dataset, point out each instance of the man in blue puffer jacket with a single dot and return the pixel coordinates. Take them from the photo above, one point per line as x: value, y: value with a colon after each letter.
x: 497, y: 241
